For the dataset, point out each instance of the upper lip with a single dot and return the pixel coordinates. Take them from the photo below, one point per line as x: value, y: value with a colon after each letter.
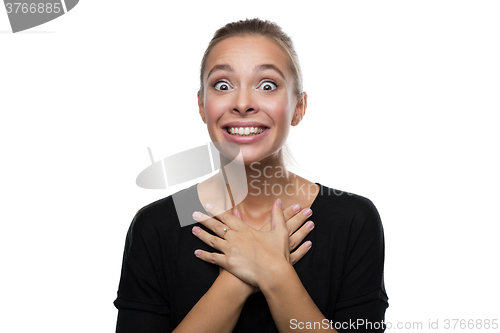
x: 244, y: 124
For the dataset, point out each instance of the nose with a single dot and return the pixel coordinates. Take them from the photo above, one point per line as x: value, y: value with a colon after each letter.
x: 244, y: 101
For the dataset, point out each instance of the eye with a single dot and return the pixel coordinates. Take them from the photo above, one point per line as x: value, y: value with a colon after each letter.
x: 268, y: 86
x: 222, y: 85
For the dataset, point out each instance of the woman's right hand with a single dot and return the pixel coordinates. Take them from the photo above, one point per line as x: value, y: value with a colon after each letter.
x: 295, y: 218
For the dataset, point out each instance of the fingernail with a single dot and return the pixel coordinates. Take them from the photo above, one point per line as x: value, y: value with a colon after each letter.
x: 278, y: 203
x: 296, y: 208
x: 235, y: 212
x: 307, y: 212
x: 209, y: 206
x: 197, y: 253
x: 196, y: 230
x: 307, y: 244
x: 196, y: 216
x: 310, y: 225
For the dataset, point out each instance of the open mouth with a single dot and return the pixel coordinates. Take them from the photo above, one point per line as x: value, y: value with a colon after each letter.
x: 245, y: 131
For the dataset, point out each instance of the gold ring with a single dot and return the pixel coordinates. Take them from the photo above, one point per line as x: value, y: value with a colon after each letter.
x: 225, y: 230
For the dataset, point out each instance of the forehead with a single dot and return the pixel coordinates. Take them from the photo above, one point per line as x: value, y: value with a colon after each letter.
x: 247, y: 52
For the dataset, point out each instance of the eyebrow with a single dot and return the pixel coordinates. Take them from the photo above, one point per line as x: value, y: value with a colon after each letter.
x: 222, y: 67
x: 226, y: 67
x: 269, y: 66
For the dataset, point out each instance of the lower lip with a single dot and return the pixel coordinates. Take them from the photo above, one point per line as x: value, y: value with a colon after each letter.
x: 245, y: 139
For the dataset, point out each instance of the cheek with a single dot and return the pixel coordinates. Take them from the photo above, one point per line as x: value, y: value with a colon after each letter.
x: 279, y: 109
x: 213, y: 109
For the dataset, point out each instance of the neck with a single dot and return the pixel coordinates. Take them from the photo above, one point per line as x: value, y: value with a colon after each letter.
x: 254, y: 193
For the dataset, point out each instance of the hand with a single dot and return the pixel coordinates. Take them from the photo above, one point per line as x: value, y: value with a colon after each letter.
x: 295, y: 218
x: 293, y: 221
x: 249, y: 254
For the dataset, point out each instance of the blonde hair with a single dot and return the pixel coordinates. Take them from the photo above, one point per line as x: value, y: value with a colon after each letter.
x: 267, y: 29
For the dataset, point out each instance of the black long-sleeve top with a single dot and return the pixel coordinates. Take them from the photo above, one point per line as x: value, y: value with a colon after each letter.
x: 162, y: 279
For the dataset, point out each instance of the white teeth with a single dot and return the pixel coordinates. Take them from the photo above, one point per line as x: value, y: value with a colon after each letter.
x: 245, y: 130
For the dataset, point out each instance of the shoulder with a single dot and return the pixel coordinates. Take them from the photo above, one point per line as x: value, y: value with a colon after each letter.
x: 352, y: 210
x: 162, y: 215
x: 346, y: 202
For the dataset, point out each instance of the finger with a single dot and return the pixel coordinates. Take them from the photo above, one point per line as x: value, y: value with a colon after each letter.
x: 291, y: 211
x: 210, y: 257
x: 278, y: 220
x: 287, y: 213
x: 299, y: 236
x: 295, y: 222
x: 210, y: 222
x: 300, y: 252
x: 237, y: 214
x: 211, y: 240
x: 278, y: 226
x: 225, y: 216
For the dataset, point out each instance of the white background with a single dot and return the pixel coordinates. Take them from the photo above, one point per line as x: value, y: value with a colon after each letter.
x: 403, y: 109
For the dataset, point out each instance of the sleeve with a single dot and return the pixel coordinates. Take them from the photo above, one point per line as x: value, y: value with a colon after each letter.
x: 141, y: 302
x: 363, y: 299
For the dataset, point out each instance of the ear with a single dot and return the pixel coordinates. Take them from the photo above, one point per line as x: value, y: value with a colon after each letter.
x: 201, y: 107
x: 300, y: 109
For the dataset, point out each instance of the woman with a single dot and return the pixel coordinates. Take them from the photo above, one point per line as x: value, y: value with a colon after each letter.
x: 242, y: 276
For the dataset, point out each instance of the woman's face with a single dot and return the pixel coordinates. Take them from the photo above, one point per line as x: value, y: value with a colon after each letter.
x: 248, y: 84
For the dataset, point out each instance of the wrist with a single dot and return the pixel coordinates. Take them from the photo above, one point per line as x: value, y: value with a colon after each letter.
x: 234, y: 286
x: 275, y: 276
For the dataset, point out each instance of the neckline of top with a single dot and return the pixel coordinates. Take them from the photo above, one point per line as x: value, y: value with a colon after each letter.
x: 314, y: 203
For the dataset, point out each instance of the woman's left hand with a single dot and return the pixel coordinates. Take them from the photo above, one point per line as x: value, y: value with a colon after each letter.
x: 251, y: 255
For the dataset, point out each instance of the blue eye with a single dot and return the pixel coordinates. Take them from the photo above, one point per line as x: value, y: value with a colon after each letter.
x: 268, y: 86
x: 221, y: 85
